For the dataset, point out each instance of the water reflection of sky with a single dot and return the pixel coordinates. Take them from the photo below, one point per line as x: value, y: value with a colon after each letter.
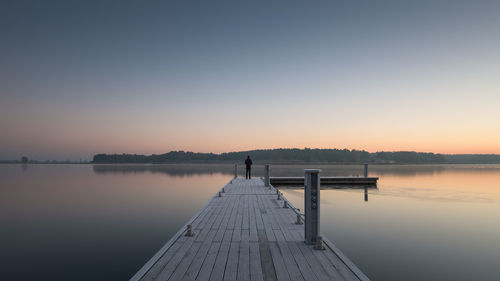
x: 432, y: 222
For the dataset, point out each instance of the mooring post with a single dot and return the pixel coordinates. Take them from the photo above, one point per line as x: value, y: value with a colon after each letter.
x: 311, y: 203
x: 366, y: 170
x: 319, y: 244
x: 189, y: 231
x: 299, y: 219
x: 267, y: 172
x: 235, y: 170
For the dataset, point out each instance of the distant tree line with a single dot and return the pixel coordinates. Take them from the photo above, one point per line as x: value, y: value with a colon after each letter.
x: 302, y: 155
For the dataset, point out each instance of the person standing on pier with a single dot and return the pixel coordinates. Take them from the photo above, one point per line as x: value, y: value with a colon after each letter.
x: 248, y: 164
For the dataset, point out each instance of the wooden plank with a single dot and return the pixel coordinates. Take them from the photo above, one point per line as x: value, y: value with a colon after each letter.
x: 313, y: 262
x: 265, y: 219
x: 253, y: 236
x: 231, y: 270
x: 328, y: 266
x: 255, y: 263
x: 232, y: 218
x: 162, y: 262
x: 198, y: 260
x: 220, y: 262
x: 301, y: 261
x: 208, y: 263
x: 290, y: 264
x: 257, y: 212
x: 341, y: 267
x: 266, y: 259
x: 224, y: 224
x: 279, y: 263
x: 176, y: 259
x: 184, y: 264
x: 237, y: 227
x: 244, y: 262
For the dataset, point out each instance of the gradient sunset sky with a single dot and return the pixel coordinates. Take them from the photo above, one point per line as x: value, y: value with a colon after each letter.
x: 85, y: 77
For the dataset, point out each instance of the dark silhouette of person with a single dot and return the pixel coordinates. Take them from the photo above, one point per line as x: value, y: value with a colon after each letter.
x: 248, y: 163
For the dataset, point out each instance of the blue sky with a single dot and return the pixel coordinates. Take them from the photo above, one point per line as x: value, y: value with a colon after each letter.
x: 84, y: 77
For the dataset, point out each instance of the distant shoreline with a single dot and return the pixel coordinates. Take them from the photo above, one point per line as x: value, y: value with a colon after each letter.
x: 283, y: 156
x: 307, y: 155
x: 241, y: 163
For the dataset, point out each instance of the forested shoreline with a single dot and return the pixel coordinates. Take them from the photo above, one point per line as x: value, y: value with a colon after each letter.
x: 292, y: 155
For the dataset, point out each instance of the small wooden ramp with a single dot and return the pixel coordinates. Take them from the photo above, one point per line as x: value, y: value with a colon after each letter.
x: 246, y: 234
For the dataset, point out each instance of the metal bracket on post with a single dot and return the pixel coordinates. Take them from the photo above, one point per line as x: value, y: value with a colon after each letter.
x: 267, y: 173
x: 311, y: 204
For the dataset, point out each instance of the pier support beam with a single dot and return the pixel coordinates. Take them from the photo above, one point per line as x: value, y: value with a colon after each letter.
x: 267, y: 175
x: 311, y: 203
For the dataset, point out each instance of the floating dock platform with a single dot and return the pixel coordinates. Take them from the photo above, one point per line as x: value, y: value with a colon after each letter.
x: 245, y: 233
x: 344, y: 181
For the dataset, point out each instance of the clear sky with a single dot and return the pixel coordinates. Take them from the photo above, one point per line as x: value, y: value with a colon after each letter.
x: 85, y: 77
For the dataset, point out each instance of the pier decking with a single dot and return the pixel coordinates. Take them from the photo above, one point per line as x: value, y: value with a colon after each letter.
x: 246, y: 234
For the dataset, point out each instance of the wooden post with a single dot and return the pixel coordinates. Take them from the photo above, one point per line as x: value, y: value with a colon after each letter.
x: 366, y: 170
x: 267, y: 173
x: 235, y: 170
x: 311, y: 204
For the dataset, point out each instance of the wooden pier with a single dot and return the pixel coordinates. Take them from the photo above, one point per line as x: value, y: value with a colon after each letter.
x: 245, y: 233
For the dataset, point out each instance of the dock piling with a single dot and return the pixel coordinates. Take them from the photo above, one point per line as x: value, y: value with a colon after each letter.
x: 311, y: 204
x: 235, y: 170
x: 366, y: 170
x: 267, y: 177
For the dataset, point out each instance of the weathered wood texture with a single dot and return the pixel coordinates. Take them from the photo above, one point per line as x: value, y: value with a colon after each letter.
x: 246, y: 235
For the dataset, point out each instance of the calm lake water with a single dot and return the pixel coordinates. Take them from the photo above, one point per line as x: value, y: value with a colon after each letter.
x: 103, y: 222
